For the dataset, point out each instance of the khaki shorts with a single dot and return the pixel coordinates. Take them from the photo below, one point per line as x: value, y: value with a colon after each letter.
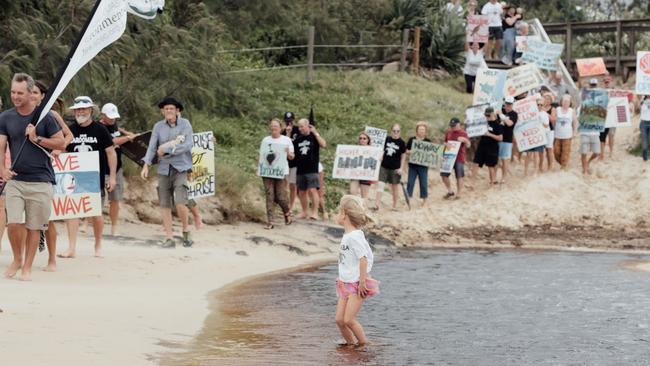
x: 293, y: 174
x: 118, y: 191
x: 172, y: 188
x: 29, y: 203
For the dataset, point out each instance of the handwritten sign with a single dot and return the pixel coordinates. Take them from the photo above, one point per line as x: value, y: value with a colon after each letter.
x: 544, y: 55
x: 357, y: 162
x: 77, y: 192
x: 273, y: 161
x: 475, y: 122
x: 528, y: 131
x: 643, y: 73
x: 489, y: 87
x: 477, y: 29
x: 522, y: 79
x: 449, y: 156
x: 203, y: 182
x: 619, y: 109
x: 426, y: 153
x: 377, y: 136
x: 593, y: 110
x: 522, y: 42
x: 591, y: 66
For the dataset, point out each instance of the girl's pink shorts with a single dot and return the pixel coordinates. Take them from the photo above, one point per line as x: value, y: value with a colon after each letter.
x: 345, y: 289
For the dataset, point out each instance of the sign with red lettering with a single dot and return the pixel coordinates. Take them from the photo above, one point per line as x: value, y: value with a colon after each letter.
x: 528, y: 131
x: 77, y: 192
x: 619, y: 109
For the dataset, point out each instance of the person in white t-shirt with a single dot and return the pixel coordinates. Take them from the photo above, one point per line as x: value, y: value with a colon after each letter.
x: 354, y: 284
x: 275, y: 189
x: 566, y: 126
x: 494, y: 11
x: 644, y: 126
x: 474, y: 60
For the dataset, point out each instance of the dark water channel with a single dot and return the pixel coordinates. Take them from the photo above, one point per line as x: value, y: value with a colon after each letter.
x: 443, y: 308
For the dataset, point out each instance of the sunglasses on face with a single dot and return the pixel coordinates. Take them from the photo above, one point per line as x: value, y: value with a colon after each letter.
x: 396, y: 131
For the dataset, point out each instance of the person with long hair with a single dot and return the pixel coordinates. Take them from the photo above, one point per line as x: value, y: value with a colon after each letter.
x: 361, y: 187
x: 419, y: 172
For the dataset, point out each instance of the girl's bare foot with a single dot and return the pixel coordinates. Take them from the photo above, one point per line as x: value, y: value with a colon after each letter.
x: 12, y: 269
x: 51, y: 267
x: 25, y: 276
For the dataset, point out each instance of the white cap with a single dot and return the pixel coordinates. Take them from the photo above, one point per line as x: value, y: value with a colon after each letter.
x: 593, y: 81
x: 510, y: 99
x: 110, y: 110
x: 82, y: 102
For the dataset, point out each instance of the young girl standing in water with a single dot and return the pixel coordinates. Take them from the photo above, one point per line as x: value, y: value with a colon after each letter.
x: 354, y: 284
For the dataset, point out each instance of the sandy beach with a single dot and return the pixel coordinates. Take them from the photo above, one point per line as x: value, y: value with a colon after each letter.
x: 131, y: 306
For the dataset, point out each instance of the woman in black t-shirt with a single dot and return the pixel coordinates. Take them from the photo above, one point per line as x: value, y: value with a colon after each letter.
x: 487, y: 152
x: 419, y: 172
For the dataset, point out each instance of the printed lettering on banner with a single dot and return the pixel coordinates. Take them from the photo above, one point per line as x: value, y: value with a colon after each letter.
x: 77, y: 192
x: 522, y: 79
x: 591, y: 66
x: 528, y: 131
x: 475, y: 122
x: 619, y: 112
x: 643, y: 73
x: 477, y: 29
x: 593, y: 110
x: 522, y: 42
x: 489, y: 86
x: 203, y: 182
x: 273, y: 161
x: 377, y: 136
x: 449, y: 156
x: 543, y: 54
x: 426, y: 153
x: 357, y: 162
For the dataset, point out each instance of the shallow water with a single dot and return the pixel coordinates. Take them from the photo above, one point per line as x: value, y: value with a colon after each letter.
x: 442, y: 308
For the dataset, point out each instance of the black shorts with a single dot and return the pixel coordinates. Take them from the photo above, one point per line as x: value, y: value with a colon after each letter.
x: 307, y: 181
x: 486, y: 158
x: 495, y: 33
x: 365, y: 182
x: 603, y: 135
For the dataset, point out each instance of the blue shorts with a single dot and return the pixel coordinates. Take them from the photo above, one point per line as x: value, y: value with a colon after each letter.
x: 505, y: 150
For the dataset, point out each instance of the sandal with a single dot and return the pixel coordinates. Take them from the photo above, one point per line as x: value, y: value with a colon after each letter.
x: 449, y: 195
x: 288, y: 219
x: 268, y: 226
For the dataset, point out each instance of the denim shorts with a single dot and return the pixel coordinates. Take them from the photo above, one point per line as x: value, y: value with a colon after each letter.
x: 505, y: 150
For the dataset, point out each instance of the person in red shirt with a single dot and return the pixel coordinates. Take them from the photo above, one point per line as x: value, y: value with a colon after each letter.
x: 456, y: 133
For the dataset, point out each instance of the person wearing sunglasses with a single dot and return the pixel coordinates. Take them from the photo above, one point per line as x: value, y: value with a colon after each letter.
x: 392, y: 164
x: 361, y: 186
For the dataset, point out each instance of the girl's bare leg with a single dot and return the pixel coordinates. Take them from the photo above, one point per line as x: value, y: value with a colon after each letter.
x: 349, y: 318
x: 340, y: 322
x: 365, y: 191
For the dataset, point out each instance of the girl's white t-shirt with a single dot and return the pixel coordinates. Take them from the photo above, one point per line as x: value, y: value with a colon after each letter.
x: 645, y: 110
x: 473, y: 62
x: 564, y: 124
x: 354, y: 246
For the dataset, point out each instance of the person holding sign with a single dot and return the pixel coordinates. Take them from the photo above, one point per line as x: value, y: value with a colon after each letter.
x: 307, y: 146
x: 487, y: 152
x: 392, y: 165
x: 508, y: 119
x: 474, y: 60
x: 171, y: 139
x: 91, y: 136
x: 29, y: 184
x: 419, y: 172
x: 456, y: 133
x: 361, y: 186
x: 644, y: 126
x: 274, y: 150
x: 566, y: 127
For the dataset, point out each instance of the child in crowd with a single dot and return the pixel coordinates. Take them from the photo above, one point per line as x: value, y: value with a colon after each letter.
x: 354, y: 283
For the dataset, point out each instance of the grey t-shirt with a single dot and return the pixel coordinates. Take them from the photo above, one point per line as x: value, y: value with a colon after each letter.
x: 34, y: 165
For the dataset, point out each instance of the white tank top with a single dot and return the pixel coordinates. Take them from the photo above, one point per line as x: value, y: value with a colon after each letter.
x: 564, y: 123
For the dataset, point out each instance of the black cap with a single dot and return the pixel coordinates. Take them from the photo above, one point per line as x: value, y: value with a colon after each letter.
x: 488, y: 111
x: 289, y: 116
x: 172, y: 101
x: 453, y: 122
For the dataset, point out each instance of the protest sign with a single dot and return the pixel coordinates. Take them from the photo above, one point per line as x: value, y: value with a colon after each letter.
x: 137, y: 149
x: 426, y: 153
x: 203, y: 182
x: 357, y: 162
x: 593, y: 110
x: 544, y: 55
x: 522, y: 42
x: 475, y: 122
x: 618, y: 109
x: 477, y: 29
x: 591, y: 66
x: 449, y: 156
x: 643, y: 73
x: 77, y: 192
x: 273, y: 161
x: 528, y: 131
x: 377, y: 136
x: 522, y: 79
x: 489, y: 86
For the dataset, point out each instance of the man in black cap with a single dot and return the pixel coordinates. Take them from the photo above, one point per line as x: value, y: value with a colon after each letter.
x: 292, y: 131
x: 487, y: 152
x: 456, y: 133
x: 171, y: 140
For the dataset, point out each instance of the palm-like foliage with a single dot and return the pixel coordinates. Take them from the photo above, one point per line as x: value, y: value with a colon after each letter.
x: 443, y: 42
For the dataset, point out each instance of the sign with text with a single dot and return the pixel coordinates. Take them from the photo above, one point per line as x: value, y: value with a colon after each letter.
x: 489, y: 86
x: 77, y: 192
x: 137, y: 149
x: 449, y: 156
x: 377, y: 136
x: 591, y: 66
x: 543, y: 54
x: 593, y: 110
x: 477, y: 29
x: 522, y: 42
x: 273, y: 161
x: 522, y: 79
x: 357, y: 162
x: 619, y: 109
x: 426, y: 153
x: 203, y: 182
x: 528, y: 131
x: 475, y: 122
x: 643, y: 73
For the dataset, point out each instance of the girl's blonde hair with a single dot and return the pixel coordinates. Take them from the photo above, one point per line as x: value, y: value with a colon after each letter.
x: 422, y: 124
x: 354, y: 209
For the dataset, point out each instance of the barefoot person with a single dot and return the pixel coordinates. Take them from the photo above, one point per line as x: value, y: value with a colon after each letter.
x: 109, y: 117
x: 91, y: 136
x: 171, y: 140
x: 275, y: 189
x: 361, y: 187
x: 291, y: 131
x: 307, y: 146
x: 419, y: 172
x: 487, y: 152
x: 392, y: 165
x: 565, y: 128
x: 456, y: 133
x: 29, y: 186
x: 354, y: 284
x: 508, y: 120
